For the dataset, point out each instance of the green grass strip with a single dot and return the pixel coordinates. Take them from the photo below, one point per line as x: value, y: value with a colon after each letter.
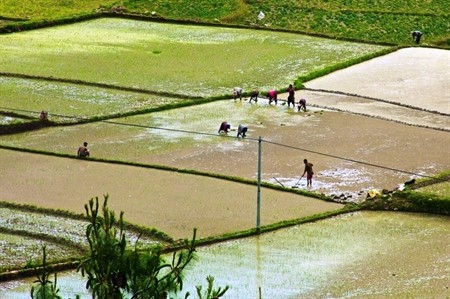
x: 45, y: 237
x: 145, y: 231
x: 174, y: 169
x: 410, y: 201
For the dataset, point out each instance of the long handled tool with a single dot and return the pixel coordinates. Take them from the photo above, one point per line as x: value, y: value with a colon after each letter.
x: 278, y: 182
x: 296, y: 185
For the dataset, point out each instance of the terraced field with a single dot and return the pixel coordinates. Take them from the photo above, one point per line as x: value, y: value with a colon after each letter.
x: 357, y: 135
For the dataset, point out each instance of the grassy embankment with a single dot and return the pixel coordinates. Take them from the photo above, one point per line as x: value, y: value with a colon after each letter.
x: 430, y: 195
x: 79, y: 84
x: 386, y: 22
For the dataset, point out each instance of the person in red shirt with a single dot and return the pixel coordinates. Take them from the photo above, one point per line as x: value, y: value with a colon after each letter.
x: 272, y: 95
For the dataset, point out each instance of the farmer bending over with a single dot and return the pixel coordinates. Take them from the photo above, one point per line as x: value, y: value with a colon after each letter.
x: 254, y: 96
x: 302, y: 105
x: 242, y: 130
x: 224, y: 127
x: 272, y: 95
x: 309, y: 172
x: 237, y: 93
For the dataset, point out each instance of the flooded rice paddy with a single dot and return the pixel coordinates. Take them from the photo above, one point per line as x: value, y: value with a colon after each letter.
x: 374, y: 144
x: 149, y: 197
x: 193, y: 60
x: 30, y: 96
x: 23, y: 233
x: 357, y: 255
x: 332, y: 141
x: 412, y: 76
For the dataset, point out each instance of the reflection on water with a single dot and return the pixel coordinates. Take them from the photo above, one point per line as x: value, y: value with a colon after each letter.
x: 355, y: 255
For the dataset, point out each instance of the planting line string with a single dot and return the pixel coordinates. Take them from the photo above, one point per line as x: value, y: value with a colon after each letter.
x: 354, y: 161
x: 270, y: 142
x: 380, y: 117
x: 283, y: 145
x: 99, y: 85
x: 167, y: 129
x: 377, y: 100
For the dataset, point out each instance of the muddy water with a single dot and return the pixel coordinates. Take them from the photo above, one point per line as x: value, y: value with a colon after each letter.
x: 414, y: 76
x: 359, y: 255
x: 332, y: 141
x: 377, y: 109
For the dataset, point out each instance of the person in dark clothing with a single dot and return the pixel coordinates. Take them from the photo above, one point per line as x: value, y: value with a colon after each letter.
x: 416, y: 36
x: 302, y: 105
x: 291, y: 97
x: 224, y: 127
x: 241, y: 131
x: 254, y: 96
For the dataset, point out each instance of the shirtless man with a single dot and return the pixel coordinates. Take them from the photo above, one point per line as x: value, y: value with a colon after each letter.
x: 83, y: 151
x: 309, y: 172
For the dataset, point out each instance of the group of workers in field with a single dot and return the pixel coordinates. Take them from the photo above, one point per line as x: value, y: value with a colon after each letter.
x: 272, y: 96
x: 225, y: 127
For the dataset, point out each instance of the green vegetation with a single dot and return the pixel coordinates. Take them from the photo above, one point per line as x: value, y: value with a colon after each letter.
x: 382, y: 21
x: 113, y: 270
x: 158, y: 66
x: 439, y: 185
x: 195, y: 61
x: 200, y: 10
x: 44, y: 288
x: 427, y: 195
x: 48, y: 9
x: 440, y: 189
x: 410, y: 201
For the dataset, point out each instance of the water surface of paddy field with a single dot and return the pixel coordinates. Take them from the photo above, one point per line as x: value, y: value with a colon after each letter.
x: 357, y: 255
x: 73, y: 100
x: 18, y: 251
x: 359, y: 138
x: 412, y: 76
x: 23, y: 233
x: 195, y: 60
x: 415, y: 116
x: 174, y: 203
